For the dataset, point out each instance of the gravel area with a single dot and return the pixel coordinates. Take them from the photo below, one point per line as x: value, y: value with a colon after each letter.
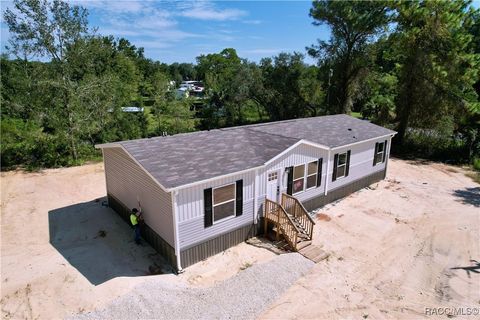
x: 243, y: 296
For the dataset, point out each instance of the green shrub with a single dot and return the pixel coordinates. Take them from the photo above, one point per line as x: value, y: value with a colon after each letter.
x: 476, y: 164
x: 433, y: 146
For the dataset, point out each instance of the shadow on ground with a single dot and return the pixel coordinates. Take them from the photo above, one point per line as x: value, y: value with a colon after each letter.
x: 475, y: 268
x: 469, y: 196
x: 99, y: 244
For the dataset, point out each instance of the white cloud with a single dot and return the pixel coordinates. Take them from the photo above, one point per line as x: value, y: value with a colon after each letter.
x: 118, y: 6
x: 205, y: 10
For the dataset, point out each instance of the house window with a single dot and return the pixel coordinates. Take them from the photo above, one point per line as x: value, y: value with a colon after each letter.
x: 273, y: 176
x: 298, y: 178
x: 341, y: 165
x: 312, y: 171
x: 379, y: 152
x: 223, y: 202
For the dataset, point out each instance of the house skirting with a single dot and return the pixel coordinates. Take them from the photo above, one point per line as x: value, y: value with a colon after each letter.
x: 210, y: 247
x: 157, y: 242
x: 343, y: 191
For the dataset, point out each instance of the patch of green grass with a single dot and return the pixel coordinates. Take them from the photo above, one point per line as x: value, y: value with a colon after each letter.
x: 357, y: 115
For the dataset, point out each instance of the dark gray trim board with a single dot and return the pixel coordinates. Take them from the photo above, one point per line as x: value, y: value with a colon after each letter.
x: 199, y: 252
x: 157, y: 242
x: 343, y: 191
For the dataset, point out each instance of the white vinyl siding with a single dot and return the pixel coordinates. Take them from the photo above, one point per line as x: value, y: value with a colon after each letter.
x: 303, y: 154
x: 127, y: 181
x: 361, y: 159
x: 190, y: 210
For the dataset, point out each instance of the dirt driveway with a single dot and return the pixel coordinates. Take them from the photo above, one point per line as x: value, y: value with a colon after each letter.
x: 392, y: 248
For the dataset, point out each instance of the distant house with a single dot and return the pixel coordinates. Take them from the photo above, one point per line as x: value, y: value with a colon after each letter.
x: 194, y: 89
x: 205, y: 191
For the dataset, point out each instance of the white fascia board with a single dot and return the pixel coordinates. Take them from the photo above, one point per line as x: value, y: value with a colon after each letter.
x: 363, y: 141
x: 303, y: 141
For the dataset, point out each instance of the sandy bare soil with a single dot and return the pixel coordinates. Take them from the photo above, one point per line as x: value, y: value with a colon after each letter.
x: 392, y: 248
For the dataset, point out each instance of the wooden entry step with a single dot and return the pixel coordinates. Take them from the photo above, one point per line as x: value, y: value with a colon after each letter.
x: 314, y: 253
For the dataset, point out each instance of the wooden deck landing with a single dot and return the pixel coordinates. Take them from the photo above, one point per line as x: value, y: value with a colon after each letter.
x: 314, y: 253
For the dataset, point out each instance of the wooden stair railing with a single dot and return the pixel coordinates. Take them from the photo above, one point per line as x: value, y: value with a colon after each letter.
x: 276, y: 214
x: 294, y: 207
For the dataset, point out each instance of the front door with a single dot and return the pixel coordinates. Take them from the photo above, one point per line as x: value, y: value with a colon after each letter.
x: 273, y: 185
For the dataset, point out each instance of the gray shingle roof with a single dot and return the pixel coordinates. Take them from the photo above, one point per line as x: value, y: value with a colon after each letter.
x: 185, y: 158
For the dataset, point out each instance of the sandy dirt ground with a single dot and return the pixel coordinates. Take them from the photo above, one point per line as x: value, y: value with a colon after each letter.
x: 392, y: 247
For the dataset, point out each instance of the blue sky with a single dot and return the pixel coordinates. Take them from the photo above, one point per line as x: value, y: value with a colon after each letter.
x: 179, y: 31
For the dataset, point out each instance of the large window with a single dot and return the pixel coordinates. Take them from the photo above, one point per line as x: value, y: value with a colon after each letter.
x: 223, y: 202
x: 312, y: 171
x: 341, y: 165
x: 380, y: 151
x: 298, y: 178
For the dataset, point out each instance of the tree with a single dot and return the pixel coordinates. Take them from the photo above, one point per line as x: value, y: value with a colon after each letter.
x: 49, y: 29
x: 228, y: 81
x: 291, y: 89
x: 436, y: 65
x: 80, y: 91
x: 354, y: 24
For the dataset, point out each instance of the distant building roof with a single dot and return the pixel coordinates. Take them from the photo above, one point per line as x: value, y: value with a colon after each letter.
x: 186, y: 158
x: 132, y: 109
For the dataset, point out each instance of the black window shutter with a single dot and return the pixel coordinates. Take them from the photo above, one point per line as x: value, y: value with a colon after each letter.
x: 290, y: 180
x: 239, y: 198
x: 319, y: 172
x: 375, y: 154
x: 384, y: 151
x: 347, y: 168
x: 207, y: 200
x: 335, y: 163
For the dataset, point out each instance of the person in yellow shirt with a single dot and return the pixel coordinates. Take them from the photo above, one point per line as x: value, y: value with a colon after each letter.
x: 135, y: 217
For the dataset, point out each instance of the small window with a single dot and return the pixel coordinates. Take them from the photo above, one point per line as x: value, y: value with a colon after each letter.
x: 312, y: 174
x: 272, y: 176
x: 298, y: 178
x: 341, y: 165
x: 380, y: 152
x: 223, y: 202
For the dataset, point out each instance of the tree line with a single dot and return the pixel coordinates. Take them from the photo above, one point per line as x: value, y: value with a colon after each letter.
x: 410, y: 66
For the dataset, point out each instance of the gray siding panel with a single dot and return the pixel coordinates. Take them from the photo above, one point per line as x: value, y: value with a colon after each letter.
x: 126, y: 181
x: 217, y: 244
x: 343, y: 191
x: 361, y: 163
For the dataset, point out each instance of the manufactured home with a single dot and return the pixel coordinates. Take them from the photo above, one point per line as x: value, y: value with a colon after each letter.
x: 206, y: 191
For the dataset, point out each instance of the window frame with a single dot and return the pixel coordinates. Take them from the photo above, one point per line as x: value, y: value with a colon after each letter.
x: 337, y: 165
x: 309, y: 175
x: 377, y: 153
x: 218, y: 204
x: 302, y: 178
